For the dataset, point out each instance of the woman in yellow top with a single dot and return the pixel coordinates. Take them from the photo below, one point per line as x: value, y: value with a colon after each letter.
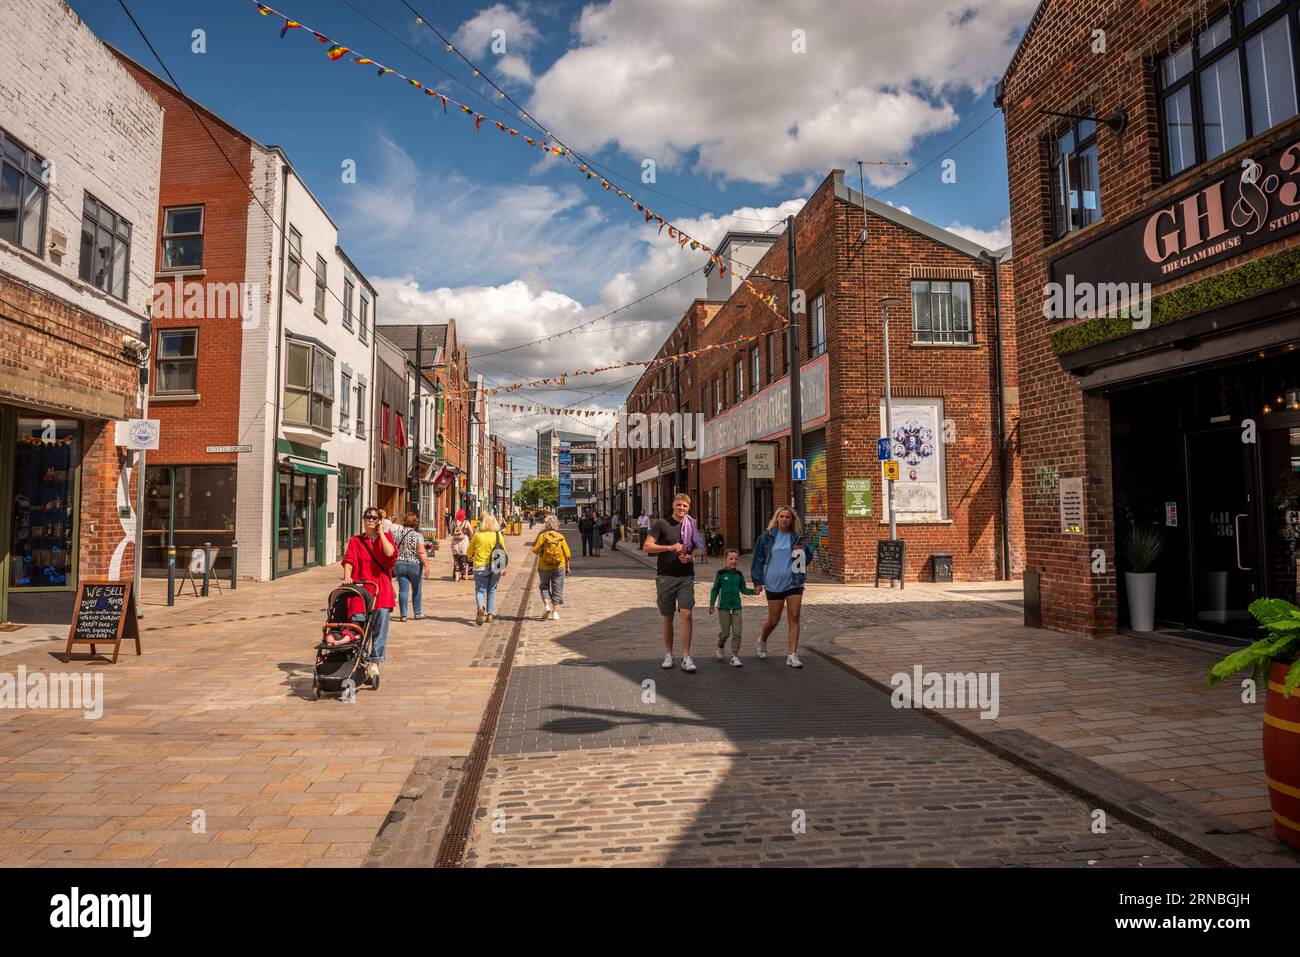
x: 487, y: 573
x: 552, y: 566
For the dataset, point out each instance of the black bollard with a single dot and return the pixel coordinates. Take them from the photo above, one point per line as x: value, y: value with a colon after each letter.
x: 234, y: 563
x: 207, y: 566
x: 171, y: 575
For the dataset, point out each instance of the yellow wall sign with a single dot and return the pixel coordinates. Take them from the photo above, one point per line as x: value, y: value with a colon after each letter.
x: 891, y: 470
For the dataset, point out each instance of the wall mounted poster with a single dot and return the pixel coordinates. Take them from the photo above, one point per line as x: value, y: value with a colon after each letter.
x: 917, y: 444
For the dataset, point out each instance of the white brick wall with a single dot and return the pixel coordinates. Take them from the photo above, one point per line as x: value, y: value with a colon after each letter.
x: 64, y: 95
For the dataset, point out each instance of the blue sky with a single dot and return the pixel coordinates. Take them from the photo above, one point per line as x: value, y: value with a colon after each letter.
x: 740, y: 123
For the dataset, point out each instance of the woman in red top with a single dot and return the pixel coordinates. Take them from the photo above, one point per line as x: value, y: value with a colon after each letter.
x: 369, y: 558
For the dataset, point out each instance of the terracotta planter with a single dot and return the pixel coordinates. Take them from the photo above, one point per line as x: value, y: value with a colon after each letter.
x: 1282, y: 755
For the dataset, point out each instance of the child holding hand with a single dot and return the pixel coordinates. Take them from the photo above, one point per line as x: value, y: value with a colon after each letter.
x: 728, y: 586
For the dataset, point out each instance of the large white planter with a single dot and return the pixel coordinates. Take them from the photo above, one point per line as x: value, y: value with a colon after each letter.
x: 1141, y: 589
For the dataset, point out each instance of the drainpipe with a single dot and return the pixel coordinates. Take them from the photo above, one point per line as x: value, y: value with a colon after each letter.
x: 279, y: 339
x: 996, y: 261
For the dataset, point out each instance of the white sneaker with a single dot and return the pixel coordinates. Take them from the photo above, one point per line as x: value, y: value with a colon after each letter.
x: 668, y: 660
x: 793, y: 660
x: 762, y: 649
x: 555, y: 614
x: 721, y: 654
x: 688, y: 663
x: 736, y: 662
x: 546, y: 615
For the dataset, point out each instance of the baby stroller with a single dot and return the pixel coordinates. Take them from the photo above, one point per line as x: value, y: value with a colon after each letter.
x: 346, y: 659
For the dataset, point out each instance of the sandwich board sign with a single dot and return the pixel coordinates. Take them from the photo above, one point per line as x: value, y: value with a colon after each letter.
x: 103, y: 614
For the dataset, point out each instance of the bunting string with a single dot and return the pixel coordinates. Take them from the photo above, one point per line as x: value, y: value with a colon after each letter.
x: 337, y: 51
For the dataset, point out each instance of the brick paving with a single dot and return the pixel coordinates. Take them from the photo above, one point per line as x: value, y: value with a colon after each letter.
x: 213, y: 724
x: 721, y: 767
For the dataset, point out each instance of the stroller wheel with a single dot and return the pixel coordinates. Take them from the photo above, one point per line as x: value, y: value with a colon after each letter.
x: 374, y: 682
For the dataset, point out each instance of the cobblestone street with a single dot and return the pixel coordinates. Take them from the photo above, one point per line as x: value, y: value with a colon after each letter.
x: 750, y: 766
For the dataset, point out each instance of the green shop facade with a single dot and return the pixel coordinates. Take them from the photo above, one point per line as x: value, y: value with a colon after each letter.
x: 307, y: 516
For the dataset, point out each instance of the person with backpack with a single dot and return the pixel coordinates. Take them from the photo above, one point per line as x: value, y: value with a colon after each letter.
x: 552, y: 566
x: 779, y: 568
x: 487, y: 554
x: 412, y: 563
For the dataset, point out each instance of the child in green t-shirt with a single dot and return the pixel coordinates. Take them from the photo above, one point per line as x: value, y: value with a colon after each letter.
x: 728, y: 586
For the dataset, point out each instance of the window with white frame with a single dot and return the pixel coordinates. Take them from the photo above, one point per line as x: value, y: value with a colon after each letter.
x: 817, y: 328
x: 183, y: 237
x: 345, y: 402
x: 177, y: 362
x: 349, y: 293
x: 294, y: 267
x: 319, y: 305
x: 308, y: 386
x: 941, y: 312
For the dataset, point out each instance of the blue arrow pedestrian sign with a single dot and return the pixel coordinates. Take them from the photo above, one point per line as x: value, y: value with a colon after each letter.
x: 882, y: 449
x: 799, y: 469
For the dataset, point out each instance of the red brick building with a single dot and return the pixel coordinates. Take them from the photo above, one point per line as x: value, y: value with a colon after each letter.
x: 951, y: 341
x: 1157, y: 288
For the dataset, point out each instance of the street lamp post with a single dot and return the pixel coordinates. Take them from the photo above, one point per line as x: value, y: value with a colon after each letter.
x: 885, y: 303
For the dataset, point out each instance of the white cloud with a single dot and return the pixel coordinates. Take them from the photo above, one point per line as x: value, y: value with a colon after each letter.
x: 664, y: 79
x: 994, y: 238
x: 478, y: 38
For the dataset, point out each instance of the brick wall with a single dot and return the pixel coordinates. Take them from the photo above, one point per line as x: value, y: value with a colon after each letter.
x: 830, y: 262
x: 194, y: 172
x: 1064, y: 432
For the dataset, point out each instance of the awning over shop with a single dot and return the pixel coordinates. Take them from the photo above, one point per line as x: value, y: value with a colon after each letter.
x: 309, y: 468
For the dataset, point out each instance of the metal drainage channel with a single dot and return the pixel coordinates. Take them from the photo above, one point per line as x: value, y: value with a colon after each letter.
x: 451, y: 850
x: 1208, y: 858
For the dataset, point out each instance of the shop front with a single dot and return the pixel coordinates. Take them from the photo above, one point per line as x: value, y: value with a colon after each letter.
x: 302, y: 510
x: 188, y: 506
x: 347, y: 518
x: 1212, y: 461
x: 40, y: 477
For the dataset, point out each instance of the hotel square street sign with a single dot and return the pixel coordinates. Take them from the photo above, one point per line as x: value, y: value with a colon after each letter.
x: 1243, y: 208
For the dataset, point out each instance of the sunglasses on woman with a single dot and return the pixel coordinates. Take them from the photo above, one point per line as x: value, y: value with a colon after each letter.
x: 371, y: 518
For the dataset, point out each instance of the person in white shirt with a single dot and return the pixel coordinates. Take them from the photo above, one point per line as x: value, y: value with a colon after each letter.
x: 643, y: 528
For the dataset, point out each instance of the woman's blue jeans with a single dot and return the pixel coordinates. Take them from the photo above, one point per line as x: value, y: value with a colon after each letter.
x: 378, y: 633
x: 408, y: 580
x: 485, y: 588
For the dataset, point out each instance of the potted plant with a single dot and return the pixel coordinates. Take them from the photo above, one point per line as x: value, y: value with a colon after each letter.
x: 1275, y: 658
x: 1140, y: 548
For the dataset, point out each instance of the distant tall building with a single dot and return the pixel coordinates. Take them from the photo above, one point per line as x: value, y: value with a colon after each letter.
x: 570, y: 458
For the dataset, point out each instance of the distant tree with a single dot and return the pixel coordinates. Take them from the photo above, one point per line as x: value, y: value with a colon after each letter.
x: 534, y: 489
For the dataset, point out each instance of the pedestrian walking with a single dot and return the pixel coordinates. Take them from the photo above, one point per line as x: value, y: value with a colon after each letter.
x: 586, y: 529
x: 532, y: 520
x: 411, y: 566
x: 642, y: 528
x: 487, y: 553
x: 728, y: 586
x: 602, y: 529
x: 552, y: 566
x: 616, y: 526
x: 370, y: 557
x: 461, y: 532
x: 674, y: 577
x: 781, y: 558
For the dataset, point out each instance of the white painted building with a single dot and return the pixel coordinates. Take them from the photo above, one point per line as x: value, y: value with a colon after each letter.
x: 308, y: 367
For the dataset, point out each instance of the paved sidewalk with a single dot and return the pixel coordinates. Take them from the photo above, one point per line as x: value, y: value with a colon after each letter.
x: 210, y: 752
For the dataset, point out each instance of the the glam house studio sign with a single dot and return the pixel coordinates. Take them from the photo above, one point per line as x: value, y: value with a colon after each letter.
x: 1244, y: 208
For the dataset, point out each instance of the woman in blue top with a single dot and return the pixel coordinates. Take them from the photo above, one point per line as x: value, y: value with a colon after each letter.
x: 780, y: 559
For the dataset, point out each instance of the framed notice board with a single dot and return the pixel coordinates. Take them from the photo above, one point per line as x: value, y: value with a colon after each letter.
x: 889, y: 560
x: 103, y: 614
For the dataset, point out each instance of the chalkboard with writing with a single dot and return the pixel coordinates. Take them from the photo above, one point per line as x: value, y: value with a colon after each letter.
x: 889, y: 560
x: 104, y: 614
